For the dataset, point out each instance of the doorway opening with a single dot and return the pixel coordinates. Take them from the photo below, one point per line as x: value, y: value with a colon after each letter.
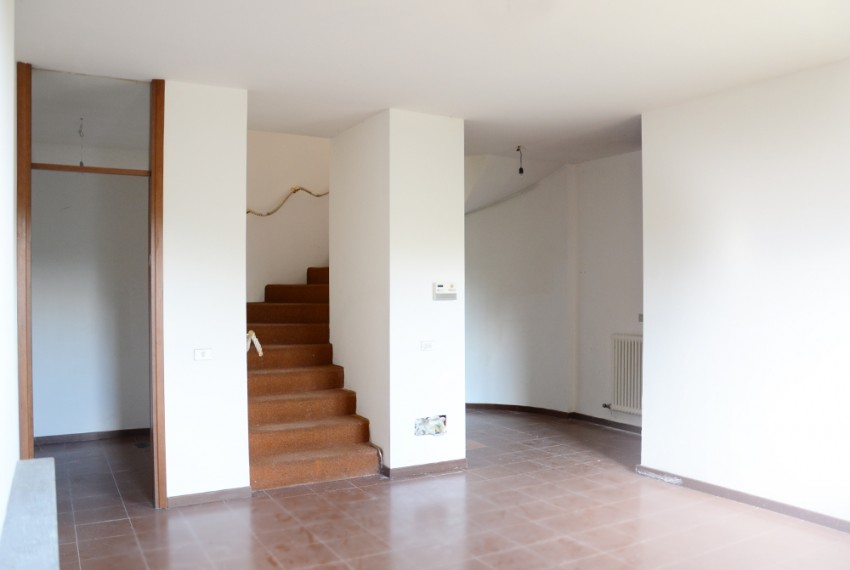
x: 93, y: 208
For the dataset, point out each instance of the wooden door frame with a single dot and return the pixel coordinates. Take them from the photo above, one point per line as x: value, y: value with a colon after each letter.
x: 24, y: 274
x: 155, y: 302
x: 24, y: 217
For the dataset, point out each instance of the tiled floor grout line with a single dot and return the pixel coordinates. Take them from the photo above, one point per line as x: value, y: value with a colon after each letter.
x: 126, y: 512
x: 76, y: 534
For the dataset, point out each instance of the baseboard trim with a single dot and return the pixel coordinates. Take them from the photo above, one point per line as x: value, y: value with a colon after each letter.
x: 558, y: 414
x: 427, y: 469
x: 88, y: 436
x: 746, y: 498
x: 607, y: 423
x: 210, y: 497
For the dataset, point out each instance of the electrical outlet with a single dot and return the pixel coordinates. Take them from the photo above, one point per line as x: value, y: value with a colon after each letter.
x: 433, y: 425
x: 203, y: 354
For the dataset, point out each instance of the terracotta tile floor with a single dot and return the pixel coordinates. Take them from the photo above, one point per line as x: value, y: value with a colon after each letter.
x: 540, y: 492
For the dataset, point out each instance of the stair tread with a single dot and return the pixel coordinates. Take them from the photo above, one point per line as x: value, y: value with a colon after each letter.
x: 310, y: 454
x: 294, y: 369
x: 293, y: 325
x: 308, y: 424
x: 261, y: 325
x: 297, y: 285
x: 318, y: 275
x: 286, y: 345
x: 311, y: 395
x: 255, y: 303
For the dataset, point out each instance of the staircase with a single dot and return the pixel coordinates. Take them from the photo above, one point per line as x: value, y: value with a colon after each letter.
x: 302, y: 422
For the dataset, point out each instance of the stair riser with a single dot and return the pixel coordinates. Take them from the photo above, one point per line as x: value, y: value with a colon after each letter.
x: 288, y: 313
x: 290, y: 381
x: 318, y: 275
x: 265, y: 477
x: 296, y: 294
x: 291, y: 333
x: 269, y: 443
x: 292, y: 356
x: 301, y: 410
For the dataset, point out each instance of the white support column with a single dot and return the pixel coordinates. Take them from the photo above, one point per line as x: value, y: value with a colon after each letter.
x: 396, y: 227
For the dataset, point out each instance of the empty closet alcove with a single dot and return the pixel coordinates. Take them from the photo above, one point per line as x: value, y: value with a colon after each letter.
x: 89, y: 256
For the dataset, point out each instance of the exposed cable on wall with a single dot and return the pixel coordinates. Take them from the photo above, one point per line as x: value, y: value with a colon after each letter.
x: 292, y: 190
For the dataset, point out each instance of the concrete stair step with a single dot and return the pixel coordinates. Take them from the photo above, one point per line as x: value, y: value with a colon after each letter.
x: 288, y: 312
x: 301, y: 406
x: 325, y: 464
x: 271, y: 439
x: 290, y: 380
x: 291, y: 333
x: 318, y: 275
x: 290, y: 356
x: 316, y: 293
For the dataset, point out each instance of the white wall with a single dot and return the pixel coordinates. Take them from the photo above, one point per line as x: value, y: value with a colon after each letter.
x: 520, y: 325
x: 9, y: 444
x: 204, y: 288
x: 282, y: 246
x: 747, y: 273
x: 360, y: 271
x: 553, y: 272
x: 90, y: 336
x: 360, y: 267
x: 610, y: 273
x: 396, y: 226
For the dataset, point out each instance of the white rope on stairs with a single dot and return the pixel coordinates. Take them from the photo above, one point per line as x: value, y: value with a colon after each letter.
x: 252, y: 337
x: 292, y: 190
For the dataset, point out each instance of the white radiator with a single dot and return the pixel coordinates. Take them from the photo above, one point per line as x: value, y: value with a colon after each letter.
x: 627, y: 366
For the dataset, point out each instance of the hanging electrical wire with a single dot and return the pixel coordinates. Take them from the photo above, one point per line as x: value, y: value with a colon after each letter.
x: 292, y: 190
x: 82, y: 136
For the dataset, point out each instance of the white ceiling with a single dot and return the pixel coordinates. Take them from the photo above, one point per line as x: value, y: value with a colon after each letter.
x: 567, y: 79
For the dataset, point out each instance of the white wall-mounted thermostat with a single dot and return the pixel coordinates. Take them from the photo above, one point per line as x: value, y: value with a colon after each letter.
x: 445, y: 291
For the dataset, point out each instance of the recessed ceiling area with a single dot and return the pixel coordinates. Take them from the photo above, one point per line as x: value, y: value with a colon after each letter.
x: 567, y: 79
